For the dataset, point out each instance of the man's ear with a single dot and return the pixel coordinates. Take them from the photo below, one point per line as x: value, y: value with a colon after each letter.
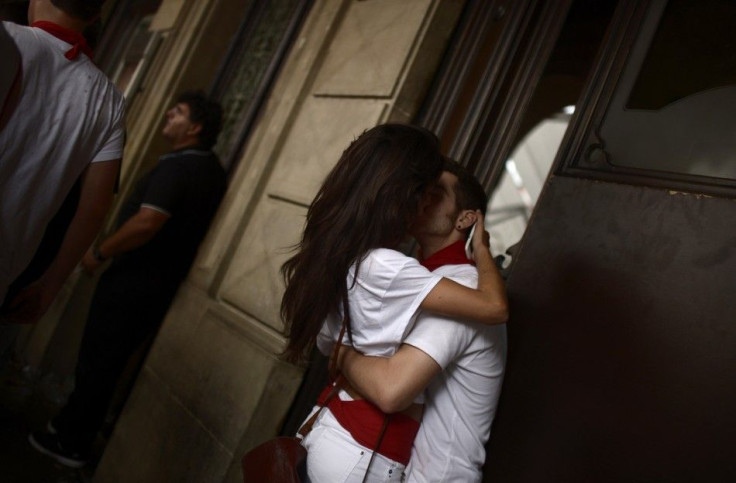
x: 194, y: 129
x: 465, y: 219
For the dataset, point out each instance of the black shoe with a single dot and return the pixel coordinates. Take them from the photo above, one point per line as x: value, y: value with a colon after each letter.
x: 50, y: 445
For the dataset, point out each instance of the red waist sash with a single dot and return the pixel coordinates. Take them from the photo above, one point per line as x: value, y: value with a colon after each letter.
x: 363, y: 420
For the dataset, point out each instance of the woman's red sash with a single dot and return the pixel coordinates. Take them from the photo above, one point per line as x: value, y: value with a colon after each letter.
x: 363, y: 420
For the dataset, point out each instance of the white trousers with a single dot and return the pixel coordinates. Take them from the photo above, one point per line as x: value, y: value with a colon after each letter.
x: 333, y: 456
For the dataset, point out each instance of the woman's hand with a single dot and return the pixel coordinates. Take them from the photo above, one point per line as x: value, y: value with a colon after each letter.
x: 481, y: 238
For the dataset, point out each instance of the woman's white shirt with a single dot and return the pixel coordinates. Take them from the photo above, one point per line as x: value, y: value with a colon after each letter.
x: 384, y: 301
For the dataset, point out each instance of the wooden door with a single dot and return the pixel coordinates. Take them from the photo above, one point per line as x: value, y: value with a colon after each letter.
x: 622, y: 342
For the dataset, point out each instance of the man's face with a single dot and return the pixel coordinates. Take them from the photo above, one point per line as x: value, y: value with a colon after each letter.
x: 439, y: 210
x: 178, y: 126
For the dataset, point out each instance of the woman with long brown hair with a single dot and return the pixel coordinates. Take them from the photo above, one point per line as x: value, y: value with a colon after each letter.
x: 347, y: 270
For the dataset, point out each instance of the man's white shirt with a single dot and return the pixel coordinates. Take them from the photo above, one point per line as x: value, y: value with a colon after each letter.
x: 68, y: 115
x: 460, y: 401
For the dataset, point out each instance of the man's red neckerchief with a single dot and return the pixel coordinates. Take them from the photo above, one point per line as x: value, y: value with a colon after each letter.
x: 77, y: 40
x: 450, y: 255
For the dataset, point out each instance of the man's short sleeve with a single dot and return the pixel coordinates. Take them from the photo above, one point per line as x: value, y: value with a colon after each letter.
x: 112, y: 148
x: 442, y: 339
x: 166, y: 188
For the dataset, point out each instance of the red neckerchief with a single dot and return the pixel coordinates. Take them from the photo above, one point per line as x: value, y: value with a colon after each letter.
x: 77, y: 40
x: 450, y: 255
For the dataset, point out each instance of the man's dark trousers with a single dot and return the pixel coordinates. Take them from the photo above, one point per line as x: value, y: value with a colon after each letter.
x: 126, y: 309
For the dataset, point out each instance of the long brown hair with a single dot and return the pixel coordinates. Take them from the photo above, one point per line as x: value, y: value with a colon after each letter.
x: 367, y: 201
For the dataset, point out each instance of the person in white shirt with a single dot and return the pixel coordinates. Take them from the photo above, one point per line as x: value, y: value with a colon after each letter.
x: 68, y: 125
x: 348, y: 268
x: 458, y: 364
x: 9, y: 76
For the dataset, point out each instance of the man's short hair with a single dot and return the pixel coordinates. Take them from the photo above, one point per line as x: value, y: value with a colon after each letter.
x: 205, y: 112
x: 85, y: 10
x: 469, y: 193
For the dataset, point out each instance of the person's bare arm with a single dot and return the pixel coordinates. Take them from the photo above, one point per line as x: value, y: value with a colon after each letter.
x: 135, y: 232
x: 98, y: 182
x: 486, y: 304
x: 391, y: 383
